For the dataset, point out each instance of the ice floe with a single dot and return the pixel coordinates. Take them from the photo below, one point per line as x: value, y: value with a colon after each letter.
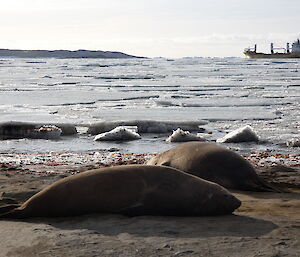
x: 180, y: 135
x: 118, y: 134
x: 243, y: 134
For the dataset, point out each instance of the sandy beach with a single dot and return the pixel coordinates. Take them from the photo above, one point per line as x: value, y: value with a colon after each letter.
x: 267, y: 224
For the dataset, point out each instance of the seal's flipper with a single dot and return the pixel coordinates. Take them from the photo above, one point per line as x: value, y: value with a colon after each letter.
x: 260, y: 185
x: 11, y: 211
x: 7, y: 208
x: 268, y: 187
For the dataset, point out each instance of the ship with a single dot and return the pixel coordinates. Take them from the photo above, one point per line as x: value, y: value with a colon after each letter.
x: 288, y: 52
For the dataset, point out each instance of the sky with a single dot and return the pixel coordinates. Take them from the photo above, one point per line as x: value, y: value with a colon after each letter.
x: 152, y: 28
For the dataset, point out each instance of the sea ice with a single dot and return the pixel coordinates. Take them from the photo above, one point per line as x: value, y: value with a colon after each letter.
x: 243, y: 134
x: 183, y: 136
x: 118, y: 134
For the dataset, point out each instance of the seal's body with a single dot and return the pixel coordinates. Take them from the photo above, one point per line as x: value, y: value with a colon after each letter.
x: 213, y: 163
x: 131, y: 190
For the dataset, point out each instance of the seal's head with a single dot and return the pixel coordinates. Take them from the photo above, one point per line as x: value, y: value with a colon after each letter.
x: 214, y: 200
x: 224, y: 202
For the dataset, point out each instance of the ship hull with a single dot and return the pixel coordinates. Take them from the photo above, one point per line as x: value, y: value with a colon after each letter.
x: 255, y: 55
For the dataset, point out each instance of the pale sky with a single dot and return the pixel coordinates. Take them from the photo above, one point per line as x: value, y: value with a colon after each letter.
x: 167, y: 28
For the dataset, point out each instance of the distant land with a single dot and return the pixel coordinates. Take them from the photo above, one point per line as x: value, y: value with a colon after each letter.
x: 64, y: 54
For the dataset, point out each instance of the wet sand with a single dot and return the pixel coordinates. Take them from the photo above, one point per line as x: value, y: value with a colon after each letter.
x: 267, y: 224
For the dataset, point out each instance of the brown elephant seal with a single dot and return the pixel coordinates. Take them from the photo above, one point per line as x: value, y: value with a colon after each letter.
x: 213, y: 163
x: 130, y: 190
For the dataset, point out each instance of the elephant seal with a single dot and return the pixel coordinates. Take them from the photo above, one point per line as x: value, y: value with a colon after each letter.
x: 213, y: 163
x: 130, y: 190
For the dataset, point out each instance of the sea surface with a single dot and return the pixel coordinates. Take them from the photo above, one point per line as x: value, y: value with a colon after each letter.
x: 227, y: 93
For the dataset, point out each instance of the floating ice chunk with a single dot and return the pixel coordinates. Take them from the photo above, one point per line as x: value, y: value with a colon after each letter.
x: 183, y: 136
x: 118, y: 134
x: 293, y: 143
x: 244, y: 134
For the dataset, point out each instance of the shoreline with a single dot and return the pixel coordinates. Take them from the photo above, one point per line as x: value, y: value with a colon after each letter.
x: 113, y: 157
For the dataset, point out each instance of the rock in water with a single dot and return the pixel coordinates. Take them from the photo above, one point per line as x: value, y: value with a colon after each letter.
x: 17, y: 130
x: 147, y: 126
x: 47, y: 132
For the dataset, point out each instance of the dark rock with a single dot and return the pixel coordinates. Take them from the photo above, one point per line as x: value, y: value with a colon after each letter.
x: 18, y: 130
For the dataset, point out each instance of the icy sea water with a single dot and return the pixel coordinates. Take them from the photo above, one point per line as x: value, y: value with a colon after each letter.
x: 227, y: 92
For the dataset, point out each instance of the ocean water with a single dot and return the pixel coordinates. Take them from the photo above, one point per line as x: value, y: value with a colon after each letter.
x: 227, y: 93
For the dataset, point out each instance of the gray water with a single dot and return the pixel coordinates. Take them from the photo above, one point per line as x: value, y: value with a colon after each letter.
x: 226, y: 92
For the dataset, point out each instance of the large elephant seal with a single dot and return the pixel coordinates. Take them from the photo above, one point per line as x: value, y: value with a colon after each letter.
x: 131, y: 190
x: 213, y: 163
